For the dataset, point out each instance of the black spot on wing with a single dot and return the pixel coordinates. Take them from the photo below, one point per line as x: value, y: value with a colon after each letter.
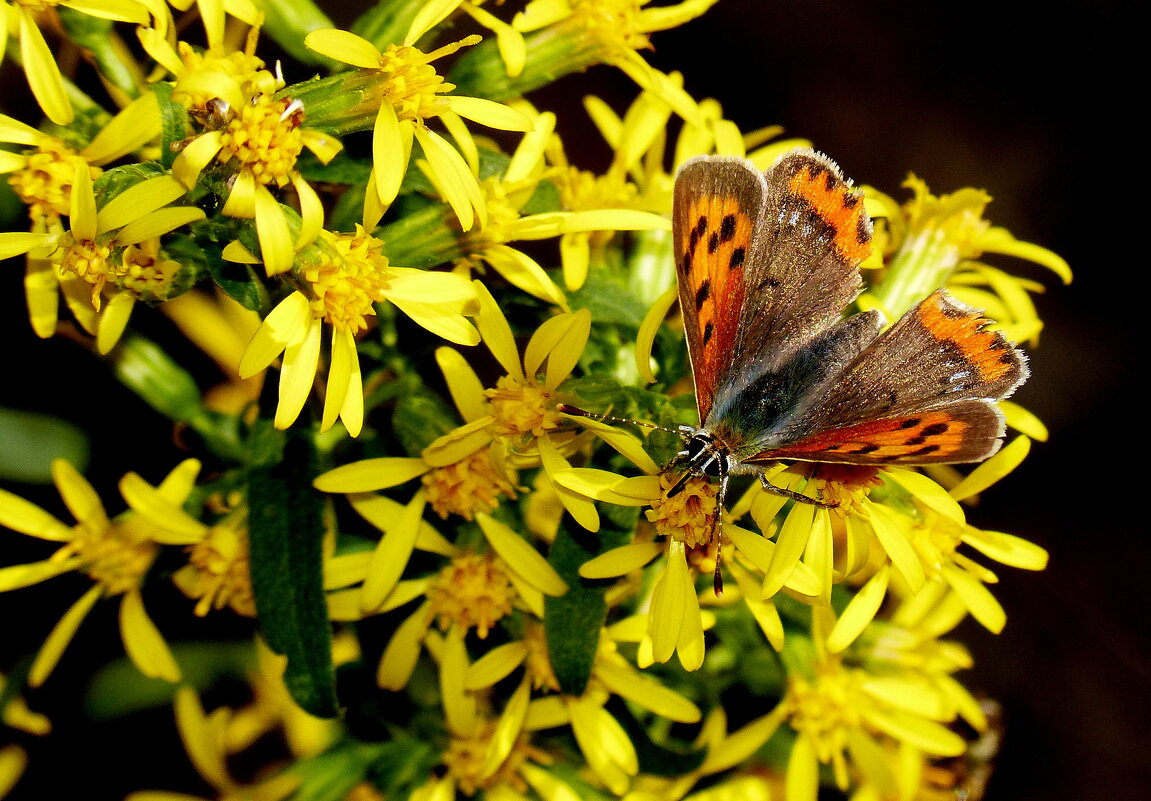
x: 702, y: 294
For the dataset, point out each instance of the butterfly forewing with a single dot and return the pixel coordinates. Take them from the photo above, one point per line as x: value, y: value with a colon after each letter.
x: 718, y: 203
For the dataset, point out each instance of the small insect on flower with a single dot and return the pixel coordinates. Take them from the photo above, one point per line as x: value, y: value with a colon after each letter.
x: 766, y: 265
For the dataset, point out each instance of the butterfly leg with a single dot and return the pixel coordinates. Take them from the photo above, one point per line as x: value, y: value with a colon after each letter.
x: 795, y: 496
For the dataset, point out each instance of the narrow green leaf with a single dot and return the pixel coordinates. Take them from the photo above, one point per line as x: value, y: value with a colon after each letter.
x: 286, y: 530
x: 573, y: 620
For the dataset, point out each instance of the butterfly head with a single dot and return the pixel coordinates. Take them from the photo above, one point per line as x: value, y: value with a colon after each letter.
x: 702, y: 455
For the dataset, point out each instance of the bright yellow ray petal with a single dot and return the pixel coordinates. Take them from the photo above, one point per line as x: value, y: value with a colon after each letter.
x: 79, y: 496
x: 521, y: 557
x: 345, y: 47
x: 40, y: 68
x: 391, y: 554
x: 368, y: 475
x: 400, y: 655
x: 285, y: 324
x: 61, y: 635
x: 297, y: 375
x: 113, y: 320
x: 143, y: 642
x: 135, y: 126
x: 273, y: 232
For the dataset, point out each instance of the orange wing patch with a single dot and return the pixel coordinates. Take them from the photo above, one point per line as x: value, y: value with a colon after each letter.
x: 839, y: 207
x: 987, y: 352
x: 717, y: 246
x: 931, y: 435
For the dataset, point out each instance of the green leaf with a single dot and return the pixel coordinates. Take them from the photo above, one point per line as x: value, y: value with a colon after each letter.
x: 286, y: 530
x: 573, y: 621
x: 174, y: 122
x: 420, y: 418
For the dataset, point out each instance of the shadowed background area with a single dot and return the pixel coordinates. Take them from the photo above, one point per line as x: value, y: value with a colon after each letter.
x: 980, y: 94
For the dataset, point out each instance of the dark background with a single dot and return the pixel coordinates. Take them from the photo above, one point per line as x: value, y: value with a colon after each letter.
x: 1018, y: 99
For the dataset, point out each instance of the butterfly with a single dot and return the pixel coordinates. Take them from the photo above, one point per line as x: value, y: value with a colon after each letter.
x: 766, y: 264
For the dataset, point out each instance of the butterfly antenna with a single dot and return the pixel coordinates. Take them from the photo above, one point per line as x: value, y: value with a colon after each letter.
x: 575, y: 411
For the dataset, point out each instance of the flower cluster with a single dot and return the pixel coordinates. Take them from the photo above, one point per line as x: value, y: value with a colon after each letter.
x: 411, y: 292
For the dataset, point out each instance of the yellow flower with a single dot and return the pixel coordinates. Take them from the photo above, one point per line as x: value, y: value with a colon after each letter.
x: 463, y: 472
x: 115, y: 553
x: 675, y: 622
x: 254, y: 138
x: 204, y: 737
x: 401, y: 88
x: 475, y: 589
x: 108, y: 254
x: 339, y: 280
x: 485, y: 752
x: 845, y: 716
x: 40, y: 67
x: 604, y: 743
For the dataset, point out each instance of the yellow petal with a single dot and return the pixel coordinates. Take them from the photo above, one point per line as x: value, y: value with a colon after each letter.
x: 371, y: 474
x: 977, y: 598
x: 497, y: 334
x: 339, y: 373
x: 521, y: 557
x: 391, y: 149
x: 391, y: 555
x: 15, y: 577
x: 138, y: 201
x: 524, y: 272
x: 285, y: 324
x: 802, y: 776
x: 458, y: 444
x: 623, y: 680
x: 40, y: 68
x: 195, y: 156
x: 200, y: 734
x: 345, y: 47
x: 60, y: 636
x: 860, y: 611
x: 620, y: 561
x: 82, y: 209
x: 143, y: 642
x: 652, y: 322
x: 175, y: 526
x: 113, y: 321
x: 311, y: 212
x: 40, y: 292
x: 578, y: 506
x: 28, y: 518
x: 297, y: 375
x: 446, y: 324
x: 496, y: 665
x: 463, y: 384
x: 273, y: 232
x: 669, y: 603
x: 899, y: 549
x: 449, y: 173
x: 1023, y: 421
x: 17, y: 243
x: 157, y: 224
x: 490, y: 113
x: 135, y: 126
x: 79, y: 496
x: 790, y: 544
x: 1007, y: 549
x: 507, y: 730
x: 995, y: 468
x: 928, y: 492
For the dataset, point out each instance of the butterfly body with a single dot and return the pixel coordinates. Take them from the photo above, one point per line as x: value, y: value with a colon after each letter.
x: 766, y: 265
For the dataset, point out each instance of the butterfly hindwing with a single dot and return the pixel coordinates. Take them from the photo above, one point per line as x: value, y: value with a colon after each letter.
x: 923, y: 391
